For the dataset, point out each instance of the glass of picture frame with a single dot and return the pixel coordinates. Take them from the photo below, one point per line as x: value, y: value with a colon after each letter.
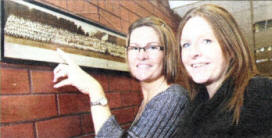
x: 32, y: 31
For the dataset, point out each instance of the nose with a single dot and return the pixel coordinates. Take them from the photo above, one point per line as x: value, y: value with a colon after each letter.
x: 195, y: 51
x: 143, y: 55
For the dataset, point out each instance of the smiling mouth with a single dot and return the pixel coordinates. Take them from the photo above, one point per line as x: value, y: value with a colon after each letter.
x: 143, y: 66
x: 198, y: 65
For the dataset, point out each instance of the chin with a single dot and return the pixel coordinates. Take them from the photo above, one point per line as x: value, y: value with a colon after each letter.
x: 146, y: 78
x: 140, y: 77
x: 199, y: 80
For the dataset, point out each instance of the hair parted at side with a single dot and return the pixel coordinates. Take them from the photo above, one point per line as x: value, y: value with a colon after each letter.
x: 241, y: 64
x: 167, y: 39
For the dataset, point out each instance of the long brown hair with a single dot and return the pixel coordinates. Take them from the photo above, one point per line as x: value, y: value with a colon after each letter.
x: 241, y: 64
x: 167, y: 39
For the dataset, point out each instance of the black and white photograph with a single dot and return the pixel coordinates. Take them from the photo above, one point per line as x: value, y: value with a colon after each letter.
x: 33, y: 32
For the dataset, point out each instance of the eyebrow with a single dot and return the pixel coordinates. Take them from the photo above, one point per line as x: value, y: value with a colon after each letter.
x: 184, y: 40
x: 147, y: 43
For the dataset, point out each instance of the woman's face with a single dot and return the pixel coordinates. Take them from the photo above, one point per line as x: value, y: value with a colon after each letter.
x: 201, y: 53
x: 145, y: 64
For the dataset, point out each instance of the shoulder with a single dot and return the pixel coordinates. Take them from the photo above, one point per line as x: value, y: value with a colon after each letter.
x: 176, y: 90
x: 258, y: 96
x: 259, y: 87
x: 173, y: 96
x: 260, y: 82
x: 176, y: 93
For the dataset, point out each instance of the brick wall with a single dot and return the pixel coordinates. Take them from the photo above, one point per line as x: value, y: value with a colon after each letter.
x: 31, y: 107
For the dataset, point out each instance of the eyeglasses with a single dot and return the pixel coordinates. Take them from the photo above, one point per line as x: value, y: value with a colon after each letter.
x: 150, y: 48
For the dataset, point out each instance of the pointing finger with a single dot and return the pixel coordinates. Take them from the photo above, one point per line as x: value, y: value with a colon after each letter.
x: 65, y: 57
x: 58, y: 68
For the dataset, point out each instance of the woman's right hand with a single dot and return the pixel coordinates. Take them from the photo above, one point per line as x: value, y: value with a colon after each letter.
x: 75, y: 76
x: 72, y: 74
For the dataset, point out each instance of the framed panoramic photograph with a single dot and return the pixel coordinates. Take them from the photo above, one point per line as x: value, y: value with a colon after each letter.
x: 32, y: 31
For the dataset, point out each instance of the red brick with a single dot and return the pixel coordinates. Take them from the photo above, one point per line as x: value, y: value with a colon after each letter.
x: 127, y: 3
x: 136, y: 109
x: 108, y: 5
x: 124, y: 115
x: 73, y: 103
x: 158, y: 13
x: 59, y: 127
x: 93, y: 2
x: 91, y: 16
x: 146, y: 5
x: 25, y: 66
x: 57, y: 3
x: 165, y: 11
x: 111, y: 6
x: 114, y: 99
x: 102, y: 4
x: 115, y: 5
x: 17, y: 131
x: 105, y: 22
x: 102, y: 79
x: 119, y: 82
x: 42, y: 81
x: 110, y: 20
x: 125, y: 26
x: 135, y: 85
x: 140, y: 11
x: 124, y: 13
x: 75, y: 6
x: 14, y: 81
x: 135, y: 8
x: 155, y: 3
x: 68, y: 89
x: 88, y: 8
x: 23, y: 108
x: 133, y: 17
x: 87, y: 123
x: 130, y: 98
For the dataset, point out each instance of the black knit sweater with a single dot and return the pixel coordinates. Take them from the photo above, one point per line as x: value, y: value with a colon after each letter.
x: 207, y: 118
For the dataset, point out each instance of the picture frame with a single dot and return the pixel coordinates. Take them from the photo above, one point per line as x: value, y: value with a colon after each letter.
x: 32, y: 31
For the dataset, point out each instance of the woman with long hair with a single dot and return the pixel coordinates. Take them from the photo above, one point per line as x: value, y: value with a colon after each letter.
x: 229, y: 98
x: 152, y: 59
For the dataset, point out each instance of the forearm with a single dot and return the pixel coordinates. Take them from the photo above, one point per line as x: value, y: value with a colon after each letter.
x: 100, y: 113
x: 73, y: 75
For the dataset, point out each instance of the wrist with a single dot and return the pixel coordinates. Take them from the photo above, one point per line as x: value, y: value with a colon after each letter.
x: 102, y: 101
x: 95, y: 91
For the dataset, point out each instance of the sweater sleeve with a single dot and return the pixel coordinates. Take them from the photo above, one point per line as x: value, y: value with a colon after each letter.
x: 159, y: 118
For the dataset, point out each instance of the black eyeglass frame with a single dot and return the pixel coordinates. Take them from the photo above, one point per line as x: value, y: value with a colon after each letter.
x: 161, y: 48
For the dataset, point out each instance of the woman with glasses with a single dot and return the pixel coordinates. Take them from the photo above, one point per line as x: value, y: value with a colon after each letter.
x: 152, y: 57
x: 229, y: 99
